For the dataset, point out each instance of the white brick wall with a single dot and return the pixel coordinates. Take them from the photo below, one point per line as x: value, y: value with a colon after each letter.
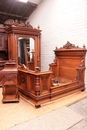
x: 60, y: 21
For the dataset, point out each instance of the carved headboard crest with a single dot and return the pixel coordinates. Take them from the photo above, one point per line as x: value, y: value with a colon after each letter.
x: 69, y: 45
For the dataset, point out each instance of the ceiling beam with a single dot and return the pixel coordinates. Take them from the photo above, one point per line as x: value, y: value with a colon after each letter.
x: 13, y: 15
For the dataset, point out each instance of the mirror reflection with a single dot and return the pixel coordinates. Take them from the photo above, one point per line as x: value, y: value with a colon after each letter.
x: 25, y: 50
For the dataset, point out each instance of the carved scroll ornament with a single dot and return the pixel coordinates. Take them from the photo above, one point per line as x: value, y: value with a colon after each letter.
x: 69, y: 45
x: 11, y: 22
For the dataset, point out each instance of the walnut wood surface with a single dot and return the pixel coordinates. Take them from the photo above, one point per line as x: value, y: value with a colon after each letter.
x: 15, y: 30
x: 66, y: 76
x: 9, y: 82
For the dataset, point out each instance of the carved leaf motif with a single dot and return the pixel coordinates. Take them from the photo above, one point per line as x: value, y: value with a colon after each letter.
x: 68, y: 45
x: 11, y: 22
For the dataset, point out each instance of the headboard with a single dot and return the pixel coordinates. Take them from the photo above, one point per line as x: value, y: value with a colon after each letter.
x: 69, y: 61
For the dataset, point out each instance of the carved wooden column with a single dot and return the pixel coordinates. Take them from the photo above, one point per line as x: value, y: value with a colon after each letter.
x: 37, y: 85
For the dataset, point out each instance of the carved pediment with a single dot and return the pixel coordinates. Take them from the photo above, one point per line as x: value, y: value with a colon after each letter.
x: 11, y: 22
x: 69, y: 45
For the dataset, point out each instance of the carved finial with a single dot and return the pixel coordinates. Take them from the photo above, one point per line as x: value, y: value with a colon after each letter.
x: 16, y: 23
x: 56, y: 48
x: 38, y: 27
x: 37, y: 69
x: 84, y: 46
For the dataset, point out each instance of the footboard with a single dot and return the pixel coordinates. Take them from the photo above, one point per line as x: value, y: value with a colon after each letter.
x: 35, y: 86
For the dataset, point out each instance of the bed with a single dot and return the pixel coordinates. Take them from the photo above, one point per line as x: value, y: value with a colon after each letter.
x: 68, y: 70
x: 64, y: 77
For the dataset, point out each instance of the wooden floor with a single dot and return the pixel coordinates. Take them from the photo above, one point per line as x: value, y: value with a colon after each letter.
x: 16, y: 113
x: 72, y: 117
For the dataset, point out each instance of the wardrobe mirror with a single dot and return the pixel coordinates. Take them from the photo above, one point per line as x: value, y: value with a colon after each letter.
x: 25, y: 50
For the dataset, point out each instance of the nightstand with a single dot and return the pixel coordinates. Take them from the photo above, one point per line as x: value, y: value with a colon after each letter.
x: 9, y: 82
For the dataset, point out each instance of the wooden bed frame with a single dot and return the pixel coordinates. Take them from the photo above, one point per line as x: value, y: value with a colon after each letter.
x: 68, y: 70
x: 65, y: 76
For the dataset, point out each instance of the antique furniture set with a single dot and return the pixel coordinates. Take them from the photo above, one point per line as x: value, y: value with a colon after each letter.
x: 65, y: 75
x: 23, y: 48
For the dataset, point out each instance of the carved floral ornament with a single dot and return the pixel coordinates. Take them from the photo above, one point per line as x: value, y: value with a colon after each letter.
x: 69, y: 45
x: 16, y: 23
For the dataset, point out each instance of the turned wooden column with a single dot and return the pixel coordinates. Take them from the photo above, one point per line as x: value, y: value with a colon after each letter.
x: 37, y: 85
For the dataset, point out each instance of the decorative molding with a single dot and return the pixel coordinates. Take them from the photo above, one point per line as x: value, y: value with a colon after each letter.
x: 16, y: 23
x: 69, y: 45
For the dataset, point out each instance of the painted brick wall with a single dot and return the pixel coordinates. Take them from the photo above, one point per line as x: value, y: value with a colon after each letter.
x: 60, y: 21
